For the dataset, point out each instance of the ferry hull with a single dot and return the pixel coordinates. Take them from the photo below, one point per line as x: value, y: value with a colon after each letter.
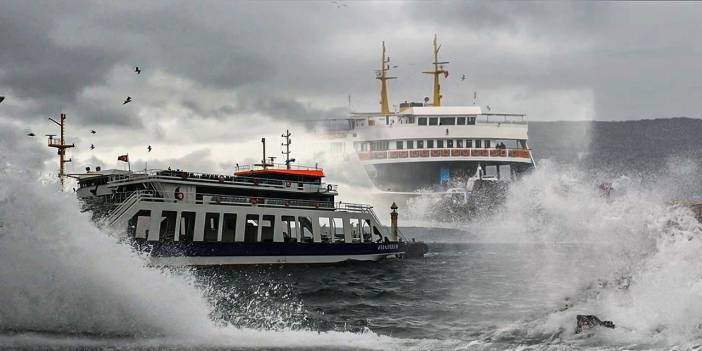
x: 216, y: 254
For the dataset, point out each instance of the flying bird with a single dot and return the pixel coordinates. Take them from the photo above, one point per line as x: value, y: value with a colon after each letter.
x: 92, y: 147
x: 137, y: 70
x: 92, y: 132
x: 2, y: 98
x: 129, y: 99
x: 463, y: 77
x: 31, y: 134
x: 149, y: 148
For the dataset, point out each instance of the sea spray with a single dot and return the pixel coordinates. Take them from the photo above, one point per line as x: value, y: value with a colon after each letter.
x: 66, y: 283
x: 644, y: 246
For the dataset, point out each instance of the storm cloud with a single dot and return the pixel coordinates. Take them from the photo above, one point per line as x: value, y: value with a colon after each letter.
x: 228, y: 71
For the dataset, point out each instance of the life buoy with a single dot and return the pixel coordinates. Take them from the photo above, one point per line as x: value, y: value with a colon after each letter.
x: 179, y: 196
x: 221, y: 179
x: 254, y: 201
x: 329, y: 187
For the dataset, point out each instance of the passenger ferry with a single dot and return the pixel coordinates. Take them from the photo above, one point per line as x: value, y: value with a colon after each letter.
x: 425, y: 146
x: 261, y: 214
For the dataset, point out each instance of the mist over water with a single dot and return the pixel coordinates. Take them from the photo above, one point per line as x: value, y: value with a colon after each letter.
x: 512, y: 279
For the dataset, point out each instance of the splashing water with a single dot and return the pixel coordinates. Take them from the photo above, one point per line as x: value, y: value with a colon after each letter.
x: 65, y: 282
x: 649, y: 276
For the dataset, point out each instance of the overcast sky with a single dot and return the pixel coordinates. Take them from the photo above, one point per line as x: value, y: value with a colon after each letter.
x: 219, y: 75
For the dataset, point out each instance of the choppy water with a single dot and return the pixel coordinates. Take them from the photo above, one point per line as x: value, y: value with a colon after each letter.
x: 496, y: 283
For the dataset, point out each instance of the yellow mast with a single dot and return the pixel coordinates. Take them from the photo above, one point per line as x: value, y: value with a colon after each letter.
x: 61, y: 145
x: 438, y: 70
x: 382, y: 76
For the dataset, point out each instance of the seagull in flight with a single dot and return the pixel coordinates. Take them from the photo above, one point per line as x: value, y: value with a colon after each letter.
x: 92, y: 147
x: 137, y: 70
x: 2, y: 98
x: 129, y: 99
x: 149, y: 148
x: 92, y: 132
x: 31, y: 134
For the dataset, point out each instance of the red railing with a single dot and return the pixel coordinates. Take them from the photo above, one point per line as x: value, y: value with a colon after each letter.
x: 418, y: 153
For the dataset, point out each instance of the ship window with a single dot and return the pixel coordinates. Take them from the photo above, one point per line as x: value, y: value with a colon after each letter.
x: 410, y: 144
x: 471, y: 120
x: 430, y: 144
x: 289, y: 228
x: 440, y: 144
x: 380, y: 145
x: 325, y: 227
x: 366, y: 231
x: 487, y: 143
x: 399, y: 145
x: 229, y: 227
x: 469, y: 143
x: 338, y: 230
x: 449, y: 143
x: 478, y: 143
x: 211, y: 226
x: 420, y: 144
x: 168, y: 223
x: 422, y: 121
x: 433, y: 121
x: 459, y: 143
x: 267, y: 226
x: 251, y: 229
x: 377, y: 232
x: 187, y: 226
x: 138, y: 225
x: 355, y: 230
x: 461, y: 121
x: 447, y: 121
x: 306, y: 229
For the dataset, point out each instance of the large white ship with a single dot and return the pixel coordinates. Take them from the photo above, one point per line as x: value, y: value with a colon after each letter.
x: 425, y: 146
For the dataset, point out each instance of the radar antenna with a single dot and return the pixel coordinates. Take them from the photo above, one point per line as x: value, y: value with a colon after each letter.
x: 61, y: 145
x: 287, y: 143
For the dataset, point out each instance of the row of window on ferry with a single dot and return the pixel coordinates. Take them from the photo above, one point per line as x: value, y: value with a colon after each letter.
x: 445, y: 121
x: 257, y: 228
x: 383, y: 145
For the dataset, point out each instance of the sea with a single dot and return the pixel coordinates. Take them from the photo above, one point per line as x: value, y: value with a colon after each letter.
x: 515, y: 278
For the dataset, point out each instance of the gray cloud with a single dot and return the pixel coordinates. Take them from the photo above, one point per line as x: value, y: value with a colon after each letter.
x: 266, y: 62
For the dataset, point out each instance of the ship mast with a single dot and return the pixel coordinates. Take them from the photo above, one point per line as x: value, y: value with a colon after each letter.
x: 438, y: 70
x: 287, y: 143
x: 382, y: 76
x: 61, y: 145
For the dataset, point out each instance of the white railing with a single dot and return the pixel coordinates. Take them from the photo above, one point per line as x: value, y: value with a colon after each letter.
x: 444, y: 152
x: 223, y: 179
x: 125, y: 205
x: 220, y: 199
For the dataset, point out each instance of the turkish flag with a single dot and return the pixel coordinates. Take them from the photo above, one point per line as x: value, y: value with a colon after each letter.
x: 123, y: 158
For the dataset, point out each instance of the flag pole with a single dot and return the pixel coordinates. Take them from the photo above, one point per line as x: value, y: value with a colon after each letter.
x: 129, y: 164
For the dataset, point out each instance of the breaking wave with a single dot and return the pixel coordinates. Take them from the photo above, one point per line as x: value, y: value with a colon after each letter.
x: 63, y: 281
x: 643, y: 241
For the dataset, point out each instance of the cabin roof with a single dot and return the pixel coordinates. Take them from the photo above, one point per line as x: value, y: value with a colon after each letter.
x: 315, y: 173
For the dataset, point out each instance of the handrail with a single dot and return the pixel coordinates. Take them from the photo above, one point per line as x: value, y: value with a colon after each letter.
x: 444, y: 152
x: 219, y: 199
x: 126, y: 204
x: 246, y: 167
x: 214, y: 178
